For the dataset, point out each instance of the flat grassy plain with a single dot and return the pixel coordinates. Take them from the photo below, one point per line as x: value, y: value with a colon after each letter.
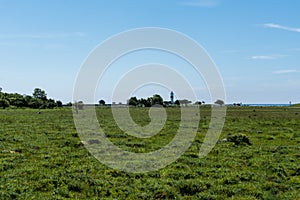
x: 42, y: 157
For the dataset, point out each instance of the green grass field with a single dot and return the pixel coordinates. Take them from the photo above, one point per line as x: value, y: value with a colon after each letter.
x: 42, y: 157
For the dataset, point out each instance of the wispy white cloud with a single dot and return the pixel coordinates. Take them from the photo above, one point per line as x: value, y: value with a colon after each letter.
x: 201, y: 3
x: 286, y: 71
x: 263, y: 57
x: 42, y: 35
x: 267, y: 57
x: 278, y: 26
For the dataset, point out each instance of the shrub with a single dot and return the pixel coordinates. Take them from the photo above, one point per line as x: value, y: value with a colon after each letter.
x: 4, y: 103
x: 239, y: 139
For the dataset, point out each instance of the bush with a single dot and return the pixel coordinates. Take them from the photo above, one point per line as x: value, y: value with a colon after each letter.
x: 4, y: 103
x: 239, y: 139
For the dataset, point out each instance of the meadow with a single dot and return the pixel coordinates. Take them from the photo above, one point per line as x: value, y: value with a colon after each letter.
x: 42, y: 157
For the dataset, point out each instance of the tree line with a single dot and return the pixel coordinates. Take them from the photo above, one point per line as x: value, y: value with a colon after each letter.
x: 158, y: 100
x: 150, y: 101
x: 37, y: 100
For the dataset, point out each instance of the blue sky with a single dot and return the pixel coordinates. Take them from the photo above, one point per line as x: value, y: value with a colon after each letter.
x: 255, y: 44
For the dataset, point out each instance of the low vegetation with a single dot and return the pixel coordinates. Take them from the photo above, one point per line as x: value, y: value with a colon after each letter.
x: 257, y: 157
x: 38, y: 100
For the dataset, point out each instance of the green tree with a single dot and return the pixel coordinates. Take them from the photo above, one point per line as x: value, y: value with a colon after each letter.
x: 157, y: 99
x: 58, y: 103
x: 101, y: 102
x: 4, y: 103
x: 36, y: 103
x: 50, y: 103
x: 198, y: 103
x: 133, y: 101
x: 27, y: 99
x: 18, y: 102
x: 219, y: 102
x: 150, y: 101
x: 144, y: 102
x: 39, y: 94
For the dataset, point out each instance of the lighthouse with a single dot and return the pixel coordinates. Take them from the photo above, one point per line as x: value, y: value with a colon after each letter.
x: 172, y: 97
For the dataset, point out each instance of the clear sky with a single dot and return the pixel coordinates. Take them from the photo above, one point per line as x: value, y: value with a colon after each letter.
x: 254, y: 43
